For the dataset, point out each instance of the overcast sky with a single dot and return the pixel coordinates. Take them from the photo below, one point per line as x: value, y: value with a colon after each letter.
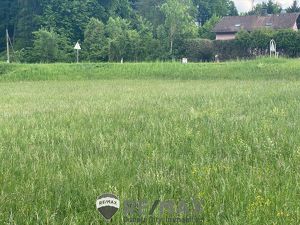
x: 245, y: 5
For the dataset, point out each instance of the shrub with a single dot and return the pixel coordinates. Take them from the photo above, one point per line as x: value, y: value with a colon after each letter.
x: 288, y: 42
x: 199, y: 49
x: 260, y: 40
x: 232, y: 49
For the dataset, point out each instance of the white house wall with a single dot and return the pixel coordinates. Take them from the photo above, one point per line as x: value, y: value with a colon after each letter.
x: 224, y: 37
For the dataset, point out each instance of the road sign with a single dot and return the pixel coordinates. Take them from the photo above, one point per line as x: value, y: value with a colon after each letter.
x: 77, y: 48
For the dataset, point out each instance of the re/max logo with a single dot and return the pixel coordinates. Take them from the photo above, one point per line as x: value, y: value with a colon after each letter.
x: 107, y: 202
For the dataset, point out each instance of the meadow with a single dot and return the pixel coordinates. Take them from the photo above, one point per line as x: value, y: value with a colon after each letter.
x: 227, y: 133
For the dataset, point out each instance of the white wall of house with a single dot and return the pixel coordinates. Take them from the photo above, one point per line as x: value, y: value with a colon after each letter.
x: 224, y: 37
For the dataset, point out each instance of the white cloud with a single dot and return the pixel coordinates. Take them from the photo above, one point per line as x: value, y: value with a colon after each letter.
x: 245, y: 5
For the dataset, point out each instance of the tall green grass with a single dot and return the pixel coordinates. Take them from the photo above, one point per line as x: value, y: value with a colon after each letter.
x: 234, y: 142
x: 243, y: 70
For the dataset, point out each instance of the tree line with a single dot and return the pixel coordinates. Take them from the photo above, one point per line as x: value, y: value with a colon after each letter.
x: 111, y: 30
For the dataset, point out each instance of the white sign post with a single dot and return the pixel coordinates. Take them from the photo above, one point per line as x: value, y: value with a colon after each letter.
x: 273, y: 49
x: 184, y: 60
x: 77, y: 48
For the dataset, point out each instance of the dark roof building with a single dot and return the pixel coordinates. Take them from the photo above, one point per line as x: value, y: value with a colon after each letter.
x: 230, y: 25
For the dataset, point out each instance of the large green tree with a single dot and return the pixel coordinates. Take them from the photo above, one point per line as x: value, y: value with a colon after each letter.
x: 94, y: 40
x: 45, y: 46
x: 178, y: 21
x: 207, y: 8
x: 149, y: 9
x: 26, y: 21
x: 8, y: 12
x: 117, y: 29
x: 269, y: 7
x: 69, y: 18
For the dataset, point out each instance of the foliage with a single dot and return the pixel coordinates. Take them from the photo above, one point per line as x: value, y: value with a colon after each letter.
x: 260, y: 40
x: 269, y: 7
x: 94, y: 41
x: 288, y: 42
x: 199, y: 50
x: 178, y: 21
x: 45, y: 46
x: 148, y: 9
x: 205, y: 31
x: 117, y: 32
x: 232, y: 10
x: 207, y: 8
x: 294, y: 7
x: 147, y: 42
x: 234, y: 49
x: 243, y: 37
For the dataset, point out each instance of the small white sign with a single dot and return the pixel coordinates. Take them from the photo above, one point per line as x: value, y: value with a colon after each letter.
x: 184, y: 60
x: 77, y: 46
x: 272, y: 48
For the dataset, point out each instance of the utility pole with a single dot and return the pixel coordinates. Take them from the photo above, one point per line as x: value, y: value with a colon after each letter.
x: 7, y: 46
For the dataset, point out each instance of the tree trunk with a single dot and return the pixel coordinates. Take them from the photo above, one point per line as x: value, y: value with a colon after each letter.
x: 171, y: 47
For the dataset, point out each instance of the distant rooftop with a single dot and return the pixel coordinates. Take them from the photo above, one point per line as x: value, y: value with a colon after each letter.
x: 233, y: 24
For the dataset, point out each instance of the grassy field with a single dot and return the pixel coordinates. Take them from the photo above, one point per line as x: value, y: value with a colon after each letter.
x: 263, y: 69
x: 226, y: 133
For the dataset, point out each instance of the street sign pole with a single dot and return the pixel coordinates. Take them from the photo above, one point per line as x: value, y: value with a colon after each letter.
x: 77, y: 56
x: 77, y: 48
